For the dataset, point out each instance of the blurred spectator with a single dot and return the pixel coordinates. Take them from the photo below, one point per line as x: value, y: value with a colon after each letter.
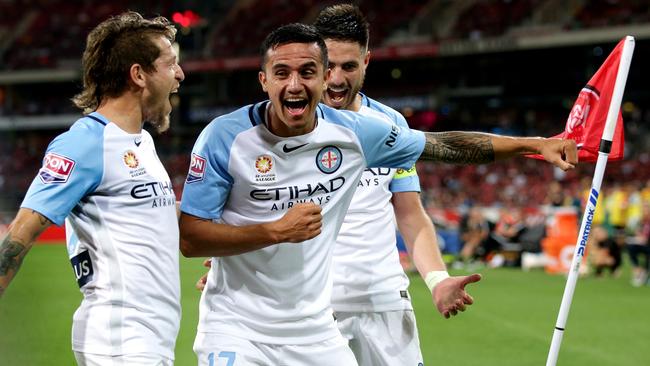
x: 606, y: 250
x: 503, y: 246
x: 638, y: 248
x: 556, y: 196
x: 509, y: 226
x: 474, y: 231
x: 616, y: 205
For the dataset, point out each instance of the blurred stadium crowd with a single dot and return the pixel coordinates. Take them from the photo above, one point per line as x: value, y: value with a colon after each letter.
x: 505, y: 66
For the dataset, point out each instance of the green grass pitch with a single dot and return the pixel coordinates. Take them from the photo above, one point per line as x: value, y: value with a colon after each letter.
x: 511, y: 322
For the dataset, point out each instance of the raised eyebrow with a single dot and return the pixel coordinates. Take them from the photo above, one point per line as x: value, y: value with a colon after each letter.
x: 309, y: 64
x: 306, y: 65
x: 279, y: 66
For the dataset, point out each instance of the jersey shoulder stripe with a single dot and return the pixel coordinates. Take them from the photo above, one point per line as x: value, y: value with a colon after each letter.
x: 391, y: 113
x: 210, y: 160
x: 73, y: 167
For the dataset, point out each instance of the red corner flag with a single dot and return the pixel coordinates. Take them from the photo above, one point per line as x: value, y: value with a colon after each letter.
x: 587, y: 117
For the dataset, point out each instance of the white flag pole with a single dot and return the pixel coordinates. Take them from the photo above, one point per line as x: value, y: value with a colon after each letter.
x: 587, y: 217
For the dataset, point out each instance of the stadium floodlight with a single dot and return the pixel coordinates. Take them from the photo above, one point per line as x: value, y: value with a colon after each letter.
x: 590, y: 208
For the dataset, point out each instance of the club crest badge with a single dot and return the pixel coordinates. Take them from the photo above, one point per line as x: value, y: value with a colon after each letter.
x: 197, y: 169
x: 329, y: 159
x: 265, y: 169
x: 56, y: 169
x: 130, y: 159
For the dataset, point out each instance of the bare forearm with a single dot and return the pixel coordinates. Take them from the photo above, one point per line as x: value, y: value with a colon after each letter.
x: 458, y: 147
x: 418, y: 232
x: 17, y: 243
x: 12, y: 253
x: 200, y: 237
x: 422, y: 244
x: 204, y: 238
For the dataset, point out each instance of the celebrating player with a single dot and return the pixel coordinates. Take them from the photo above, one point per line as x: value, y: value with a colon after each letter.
x: 370, y: 286
x: 104, y: 179
x: 267, y: 191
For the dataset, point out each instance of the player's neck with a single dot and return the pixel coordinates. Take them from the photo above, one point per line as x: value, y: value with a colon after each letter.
x: 124, y: 112
x: 279, y: 128
x: 355, y: 106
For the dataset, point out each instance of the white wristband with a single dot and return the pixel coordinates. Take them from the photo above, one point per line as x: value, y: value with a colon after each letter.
x: 433, y: 278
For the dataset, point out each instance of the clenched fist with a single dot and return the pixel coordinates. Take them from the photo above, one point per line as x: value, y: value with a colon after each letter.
x: 302, y: 222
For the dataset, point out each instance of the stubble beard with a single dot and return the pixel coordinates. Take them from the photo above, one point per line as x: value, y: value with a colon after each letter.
x: 160, y: 123
x: 157, y: 118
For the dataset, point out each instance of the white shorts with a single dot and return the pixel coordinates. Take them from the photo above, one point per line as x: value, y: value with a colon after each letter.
x: 144, y: 359
x: 214, y: 349
x: 382, y: 339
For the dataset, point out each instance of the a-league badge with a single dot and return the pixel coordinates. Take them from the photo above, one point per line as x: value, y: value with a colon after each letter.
x: 130, y: 159
x: 265, y: 169
x: 329, y: 159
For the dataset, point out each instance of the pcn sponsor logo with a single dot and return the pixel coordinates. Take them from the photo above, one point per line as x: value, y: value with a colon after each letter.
x: 197, y: 169
x: 56, y: 168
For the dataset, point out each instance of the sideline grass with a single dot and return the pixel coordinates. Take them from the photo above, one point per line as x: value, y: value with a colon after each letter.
x: 511, y: 322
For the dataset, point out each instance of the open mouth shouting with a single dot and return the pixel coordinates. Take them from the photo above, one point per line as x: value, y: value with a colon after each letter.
x: 172, y: 96
x: 295, y: 106
x: 337, y: 96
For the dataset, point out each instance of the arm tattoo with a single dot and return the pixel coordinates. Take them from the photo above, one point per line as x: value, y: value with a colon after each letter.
x: 458, y: 147
x: 11, y: 255
x: 42, y: 219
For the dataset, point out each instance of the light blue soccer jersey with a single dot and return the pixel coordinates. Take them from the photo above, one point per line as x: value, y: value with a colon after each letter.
x: 366, y: 269
x: 242, y: 174
x: 122, y: 234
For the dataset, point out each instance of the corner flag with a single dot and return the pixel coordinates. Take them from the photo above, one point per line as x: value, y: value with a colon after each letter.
x: 607, y: 85
x: 586, y: 120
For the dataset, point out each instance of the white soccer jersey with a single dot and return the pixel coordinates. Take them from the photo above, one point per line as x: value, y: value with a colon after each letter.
x: 122, y: 236
x: 366, y: 270
x: 242, y: 174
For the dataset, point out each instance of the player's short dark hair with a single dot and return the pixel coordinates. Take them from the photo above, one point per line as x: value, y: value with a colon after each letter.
x: 112, y: 48
x: 293, y: 33
x: 343, y: 22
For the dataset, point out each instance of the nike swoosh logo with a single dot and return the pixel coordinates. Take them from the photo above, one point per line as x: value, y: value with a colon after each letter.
x: 288, y: 149
x: 137, y: 142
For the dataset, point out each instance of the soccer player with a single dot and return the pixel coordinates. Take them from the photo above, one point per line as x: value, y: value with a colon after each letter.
x: 370, y: 297
x: 104, y: 179
x: 267, y: 298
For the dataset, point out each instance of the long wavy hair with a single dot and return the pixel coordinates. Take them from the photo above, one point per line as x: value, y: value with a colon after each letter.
x: 112, y: 48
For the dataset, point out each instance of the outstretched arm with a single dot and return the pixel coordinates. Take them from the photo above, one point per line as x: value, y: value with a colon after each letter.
x: 205, y: 238
x: 459, y: 147
x: 420, y: 238
x: 418, y: 232
x: 23, y: 231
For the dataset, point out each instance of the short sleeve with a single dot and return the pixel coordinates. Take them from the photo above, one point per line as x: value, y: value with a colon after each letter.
x: 388, y: 145
x: 208, y: 182
x: 72, y: 169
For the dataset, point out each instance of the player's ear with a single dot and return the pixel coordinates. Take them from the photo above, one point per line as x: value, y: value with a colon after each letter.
x: 262, y: 78
x: 326, y: 74
x: 366, y: 59
x: 136, y: 73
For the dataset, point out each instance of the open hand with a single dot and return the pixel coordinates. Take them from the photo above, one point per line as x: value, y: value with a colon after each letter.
x: 450, y: 296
